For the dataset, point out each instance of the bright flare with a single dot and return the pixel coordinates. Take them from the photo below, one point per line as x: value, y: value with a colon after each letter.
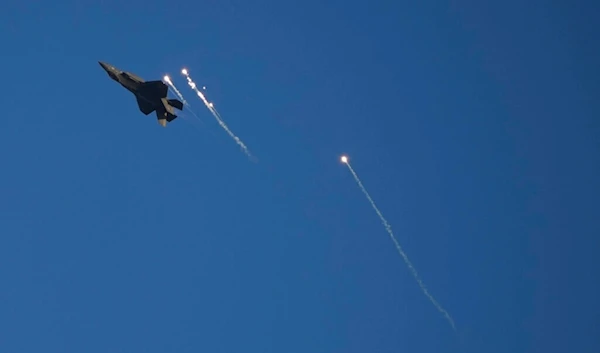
x: 184, y: 71
x: 167, y: 79
x: 344, y: 159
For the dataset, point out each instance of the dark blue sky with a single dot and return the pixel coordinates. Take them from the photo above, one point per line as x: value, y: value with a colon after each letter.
x: 474, y: 127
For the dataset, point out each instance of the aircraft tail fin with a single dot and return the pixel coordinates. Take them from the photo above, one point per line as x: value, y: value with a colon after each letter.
x: 171, y: 117
x: 176, y: 103
x: 165, y: 117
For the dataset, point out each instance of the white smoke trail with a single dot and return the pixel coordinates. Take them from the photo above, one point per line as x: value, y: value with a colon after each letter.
x: 214, y: 112
x: 167, y: 79
x: 398, y: 247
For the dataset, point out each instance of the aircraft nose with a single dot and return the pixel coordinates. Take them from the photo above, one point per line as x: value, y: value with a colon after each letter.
x: 104, y: 65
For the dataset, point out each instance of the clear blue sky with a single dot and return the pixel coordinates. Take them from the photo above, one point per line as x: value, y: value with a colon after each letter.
x: 474, y: 127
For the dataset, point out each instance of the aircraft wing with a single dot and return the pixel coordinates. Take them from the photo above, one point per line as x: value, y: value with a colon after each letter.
x: 144, y: 106
x: 153, y: 89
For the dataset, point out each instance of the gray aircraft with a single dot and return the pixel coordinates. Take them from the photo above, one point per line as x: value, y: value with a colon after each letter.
x: 151, y: 96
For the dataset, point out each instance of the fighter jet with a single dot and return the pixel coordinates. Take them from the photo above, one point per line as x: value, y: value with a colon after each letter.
x: 151, y: 96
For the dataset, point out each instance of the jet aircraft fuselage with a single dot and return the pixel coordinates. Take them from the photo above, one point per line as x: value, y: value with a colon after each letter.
x: 151, y: 96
